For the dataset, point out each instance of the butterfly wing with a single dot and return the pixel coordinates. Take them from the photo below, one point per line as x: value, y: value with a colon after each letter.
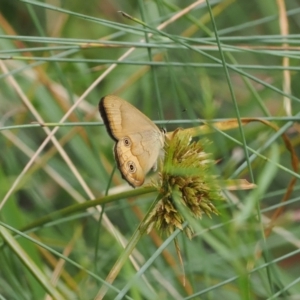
x: 137, y: 154
x: 121, y: 118
x: 138, y: 139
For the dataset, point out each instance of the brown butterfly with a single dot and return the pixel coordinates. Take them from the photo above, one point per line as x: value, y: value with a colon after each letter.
x: 138, y: 140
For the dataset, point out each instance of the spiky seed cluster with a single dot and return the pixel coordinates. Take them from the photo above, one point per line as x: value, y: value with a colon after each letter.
x: 186, y: 180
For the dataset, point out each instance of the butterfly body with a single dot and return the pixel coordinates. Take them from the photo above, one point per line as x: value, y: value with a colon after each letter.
x: 138, y: 140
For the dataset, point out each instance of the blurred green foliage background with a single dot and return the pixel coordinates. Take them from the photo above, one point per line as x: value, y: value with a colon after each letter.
x: 58, y: 58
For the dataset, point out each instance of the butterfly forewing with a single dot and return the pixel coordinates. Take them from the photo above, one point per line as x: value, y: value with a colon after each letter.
x: 122, y: 117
